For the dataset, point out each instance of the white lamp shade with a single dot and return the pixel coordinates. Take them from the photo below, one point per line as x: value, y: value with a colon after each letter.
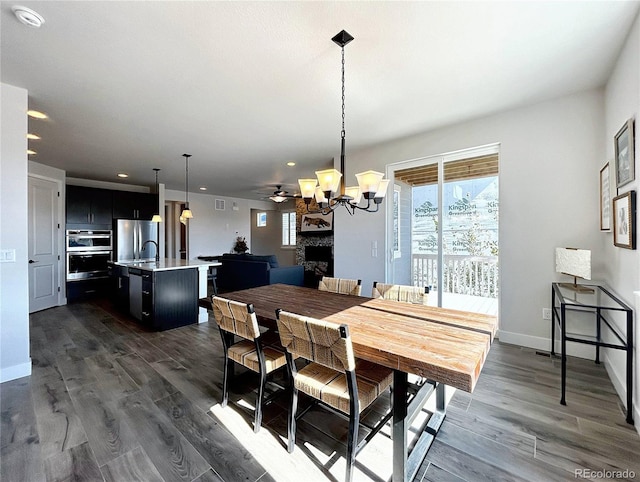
x: 369, y: 181
x: 156, y: 218
x: 329, y: 179
x: 278, y: 199
x: 382, y: 189
x: 307, y: 187
x: 354, y: 192
x: 187, y: 214
x: 320, y: 197
x: 574, y: 262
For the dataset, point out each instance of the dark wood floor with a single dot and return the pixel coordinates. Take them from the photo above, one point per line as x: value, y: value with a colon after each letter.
x: 109, y: 401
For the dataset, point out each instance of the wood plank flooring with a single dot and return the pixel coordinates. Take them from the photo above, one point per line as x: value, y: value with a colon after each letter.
x: 110, y: 401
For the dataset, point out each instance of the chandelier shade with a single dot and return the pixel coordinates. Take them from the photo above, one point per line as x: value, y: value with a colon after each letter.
x: 307, y: 187
x: 329, y: 186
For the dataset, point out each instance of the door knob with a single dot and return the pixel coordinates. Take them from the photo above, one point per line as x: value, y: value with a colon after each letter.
x: 32, y: 261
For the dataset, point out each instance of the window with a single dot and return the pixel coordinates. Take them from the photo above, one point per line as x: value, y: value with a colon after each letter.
x: 261, y: 220
x: 289, y: 228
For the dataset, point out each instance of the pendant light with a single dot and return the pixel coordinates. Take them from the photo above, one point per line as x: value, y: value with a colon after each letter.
x: 156, y: 217
x: 371, y: 184
x: 186, y: 212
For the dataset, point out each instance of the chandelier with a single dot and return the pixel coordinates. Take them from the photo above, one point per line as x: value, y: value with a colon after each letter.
x: 329, y: 188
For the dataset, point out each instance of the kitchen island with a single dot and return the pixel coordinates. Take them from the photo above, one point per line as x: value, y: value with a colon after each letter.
x: 163, y: 294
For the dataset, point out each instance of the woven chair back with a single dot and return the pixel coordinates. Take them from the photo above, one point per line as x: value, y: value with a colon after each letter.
x: 319, y: 341
x: 235, y: 317
x: 341, y: 285
x: 405, y: 293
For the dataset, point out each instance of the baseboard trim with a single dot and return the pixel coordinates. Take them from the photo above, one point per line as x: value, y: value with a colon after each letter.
x: 16, y: 371
x: 544, y: 344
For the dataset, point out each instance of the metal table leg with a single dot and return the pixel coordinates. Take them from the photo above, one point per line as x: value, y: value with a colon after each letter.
x: 399, y: 434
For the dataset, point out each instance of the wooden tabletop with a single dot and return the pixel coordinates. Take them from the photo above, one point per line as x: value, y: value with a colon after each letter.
x: 444, y: 345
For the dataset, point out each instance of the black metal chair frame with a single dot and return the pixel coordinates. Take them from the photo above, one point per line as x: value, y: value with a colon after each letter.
x: 227, y: 342
x: 353, y: 448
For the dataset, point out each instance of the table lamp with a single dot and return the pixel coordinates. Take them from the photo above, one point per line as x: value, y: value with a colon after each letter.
x: 577, y: 263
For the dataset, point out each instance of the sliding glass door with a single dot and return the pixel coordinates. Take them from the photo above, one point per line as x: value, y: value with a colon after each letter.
x: 443, y: 228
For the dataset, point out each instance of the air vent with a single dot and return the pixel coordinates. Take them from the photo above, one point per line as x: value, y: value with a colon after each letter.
x: 220, y: 204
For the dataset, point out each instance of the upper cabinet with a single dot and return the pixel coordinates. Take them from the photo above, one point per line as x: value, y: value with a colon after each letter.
x: 89, y: 206
x: 134, y: 205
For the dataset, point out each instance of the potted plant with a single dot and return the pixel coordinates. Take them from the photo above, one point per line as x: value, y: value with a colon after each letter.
x: 241, y: 245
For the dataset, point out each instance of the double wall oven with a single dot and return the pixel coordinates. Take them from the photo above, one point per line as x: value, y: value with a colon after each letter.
x: 88, y: 253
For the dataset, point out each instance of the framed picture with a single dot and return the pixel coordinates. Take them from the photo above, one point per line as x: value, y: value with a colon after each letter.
x: 624, y: 147
x: 605, y: 198
x: 316, y: 223
x: 624, y: 220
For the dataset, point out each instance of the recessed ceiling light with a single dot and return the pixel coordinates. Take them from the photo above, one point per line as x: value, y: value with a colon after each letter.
x: 33, y: 137
x: 27, y: 16
x: 203, y: 188
x: 31, y: 152
x: 123, y: 174
x: 37, y: 115
x: 291, y: 163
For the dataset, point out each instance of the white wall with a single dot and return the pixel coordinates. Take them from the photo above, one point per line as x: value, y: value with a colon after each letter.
x: 550, y: 155
x: 622, y: 266
x: 14, y: 281
x: 213, y: 232
x: 40, y: 170
x: 266, y: 240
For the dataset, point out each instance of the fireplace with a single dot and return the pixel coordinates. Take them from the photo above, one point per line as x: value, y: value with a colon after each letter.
x: 318, y: 262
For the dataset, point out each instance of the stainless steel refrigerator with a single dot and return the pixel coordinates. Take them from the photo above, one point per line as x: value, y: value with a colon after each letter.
x: 130, y: 235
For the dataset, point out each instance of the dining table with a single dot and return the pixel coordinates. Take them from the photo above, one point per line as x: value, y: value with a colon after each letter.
x: 445, y: 347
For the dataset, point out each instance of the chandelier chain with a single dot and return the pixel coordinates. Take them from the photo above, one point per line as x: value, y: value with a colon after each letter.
x: 342, y: 133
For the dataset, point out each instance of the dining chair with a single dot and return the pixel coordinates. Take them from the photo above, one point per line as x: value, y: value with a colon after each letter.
x: 408, y: 294
x: 252, y: 351
x: 341, y: 285
x: 333, y: 377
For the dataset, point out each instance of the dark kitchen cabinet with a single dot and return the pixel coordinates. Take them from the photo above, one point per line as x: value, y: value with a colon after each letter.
x: 89, y: 207
x: 161, y: 299
x: 119, y: 287
x: 81, y: 290
x: 134, y: 205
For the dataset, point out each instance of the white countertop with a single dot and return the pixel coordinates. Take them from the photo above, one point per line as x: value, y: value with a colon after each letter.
x: 167, y: 263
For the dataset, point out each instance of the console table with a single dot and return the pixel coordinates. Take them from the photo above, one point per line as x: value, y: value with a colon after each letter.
x: 604, y: 305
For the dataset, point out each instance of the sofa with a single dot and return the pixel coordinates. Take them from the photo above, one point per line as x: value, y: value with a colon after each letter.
x: 242, y: 271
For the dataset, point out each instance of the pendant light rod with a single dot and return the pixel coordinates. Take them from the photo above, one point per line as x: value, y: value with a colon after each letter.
x: 156, y: 218
x: 186, y: 213
x: 157, y: 169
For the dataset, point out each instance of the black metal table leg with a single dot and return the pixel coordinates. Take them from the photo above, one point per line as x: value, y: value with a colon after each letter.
x: 629, y: 367
x: 563, y: 348
x: 399, y: 435
x: 553, y: 321
x: 598, y: 334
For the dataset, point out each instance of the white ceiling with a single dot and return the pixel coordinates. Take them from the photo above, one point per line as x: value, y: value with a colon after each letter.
x: 247, y: 86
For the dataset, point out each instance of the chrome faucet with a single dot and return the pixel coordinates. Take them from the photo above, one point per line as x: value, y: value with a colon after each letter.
x: 157, y: 249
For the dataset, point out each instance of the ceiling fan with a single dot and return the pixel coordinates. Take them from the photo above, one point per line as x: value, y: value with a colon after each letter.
x: 280, y: 196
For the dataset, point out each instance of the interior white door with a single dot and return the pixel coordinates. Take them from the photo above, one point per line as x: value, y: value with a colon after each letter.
x: 43, y: 244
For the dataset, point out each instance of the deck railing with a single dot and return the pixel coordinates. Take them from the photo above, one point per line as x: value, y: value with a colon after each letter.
x: 467, y: 275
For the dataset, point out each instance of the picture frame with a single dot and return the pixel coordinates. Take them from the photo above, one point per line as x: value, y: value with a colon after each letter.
x: 624, y: 154
x: 316, y: 223
x: 624, y: 220
x: 605, y: 198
